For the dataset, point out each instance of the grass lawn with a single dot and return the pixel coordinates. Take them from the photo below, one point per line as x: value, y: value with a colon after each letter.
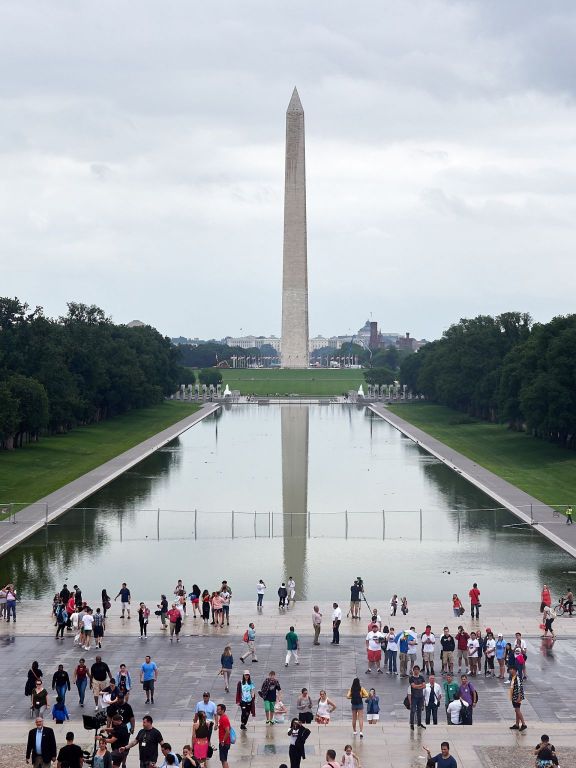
x: 322, y: 382
x: 542, y: 469
x: 32, y: 472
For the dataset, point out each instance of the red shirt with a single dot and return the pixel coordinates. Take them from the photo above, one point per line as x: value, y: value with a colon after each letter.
x: 474, y: 596
x: 462, y: 640
x: 223, y: 724
x: 174, y: 614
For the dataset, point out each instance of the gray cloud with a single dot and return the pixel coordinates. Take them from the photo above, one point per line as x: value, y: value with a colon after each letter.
x: 141, y: 157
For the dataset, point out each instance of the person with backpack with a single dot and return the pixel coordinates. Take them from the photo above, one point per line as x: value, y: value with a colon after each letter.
x: 267, y: 693
x: 468, y: 695
x: 98, y: 627
x: 250, y: 639
x: 456, y: 710
x: 226, y: 735
x: 61, y: 619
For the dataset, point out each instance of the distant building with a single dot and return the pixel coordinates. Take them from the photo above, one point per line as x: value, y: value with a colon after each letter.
x: 407, y: 343
x: 136, y: 324
x: 249, y: 342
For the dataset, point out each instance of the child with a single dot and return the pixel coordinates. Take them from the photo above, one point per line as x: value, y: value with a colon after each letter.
x: 404, y: 606
x: 519, y: 663
x: 372, y: 707
x: 59, y: 711
x: 280, y: 710
x: 349, y: 759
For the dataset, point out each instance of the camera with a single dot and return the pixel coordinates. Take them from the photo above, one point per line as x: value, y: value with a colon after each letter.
x: 92, y: 723
x: 360, y: 583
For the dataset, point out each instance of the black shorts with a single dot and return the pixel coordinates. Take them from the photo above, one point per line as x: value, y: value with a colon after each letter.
x: 98, y: 631
x: 148, y: 685
x: 223, y: 750
x: 516, y: 704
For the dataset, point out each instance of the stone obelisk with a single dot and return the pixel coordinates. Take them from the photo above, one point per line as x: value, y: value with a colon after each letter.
x: 295, y: 271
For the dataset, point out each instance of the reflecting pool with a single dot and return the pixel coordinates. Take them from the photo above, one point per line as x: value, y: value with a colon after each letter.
x: 320, y: 493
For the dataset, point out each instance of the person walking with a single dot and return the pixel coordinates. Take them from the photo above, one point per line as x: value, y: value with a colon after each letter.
x: 99, y: 625
x: 148, y: 678
x: 416, y: 697
x: 87, y: 625
x: 457, y: 607
x: 393, y: 605
x: 475, y: 604
x: 432, y: 699
x: 124, y: 595
x: 316, y: 624
x: 298, y: 734
x: 569, y: 514
x: 162, y: 611
x: 304, y: 707
x: 224, y: 730
x: 548, y: 615
x: 200, y: 737
x: 70, y: 756
x: 291, y: 586
x: 195, y: 600
x: 268, y: 691
x: 61, y: 619
x: 246, y: 698
x: 106, y: 602
x: 39, y: 699
x: 148, y: 740
x: 250, y: 640
x: 545, y: 597
x: 175, y: 622
x: 517, y: 697
x: 124, y: 682
x: 260, y: 589
x: 99, y: 676
x: 61, y: 682
x: 336, y: 621
x: 292, y: 646
x: 41, y: 745
x: 143, y: 616
x: 226, y: 664
x: 80, y: 678
x: 357, y: 694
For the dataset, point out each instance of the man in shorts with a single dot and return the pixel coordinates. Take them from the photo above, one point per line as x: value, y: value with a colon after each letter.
x: 462, y: 645
x: 355, y: 600
x: 99, y: 676
x: 124, y: 595
x: 148, y: 677
x: 223, y: 735
x: 374, y: 640
x: 87, y: 623
x: 448, y: 645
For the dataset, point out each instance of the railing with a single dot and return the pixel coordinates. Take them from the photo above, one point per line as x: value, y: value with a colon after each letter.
x: 133, y: 524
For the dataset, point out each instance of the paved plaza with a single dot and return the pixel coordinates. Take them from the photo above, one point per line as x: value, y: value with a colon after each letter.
x: 189, y: 668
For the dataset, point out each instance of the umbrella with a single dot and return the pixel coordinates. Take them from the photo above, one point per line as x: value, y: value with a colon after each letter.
x: 406, y: 634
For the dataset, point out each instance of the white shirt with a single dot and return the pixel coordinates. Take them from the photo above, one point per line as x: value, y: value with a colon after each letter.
x: 392, y: 644
x: 437, y: 693
x: 260, y: 588
x: 428, y: 642
x: 374, y: 639
x: 337, y: 614
x: 87, y: 621
x: 473, y: 646
x: 454, y: 710
x: 490, y: 648
x: 520, y: 644
x: 412, y: 647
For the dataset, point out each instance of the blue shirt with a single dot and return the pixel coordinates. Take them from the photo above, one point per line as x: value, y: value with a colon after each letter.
x: 209, y: 709
x: 148, y: 670
x: 38, y: 741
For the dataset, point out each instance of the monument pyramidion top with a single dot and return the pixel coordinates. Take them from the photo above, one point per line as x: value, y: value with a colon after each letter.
x: 295, y: 104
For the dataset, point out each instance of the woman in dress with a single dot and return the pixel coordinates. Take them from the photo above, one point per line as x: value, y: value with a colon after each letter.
x: 226, y: 662
x: 200, y: 733
x: 143, y: 616
x: 102, y: 757
x: 324, y: 709
x: 206, y: 606
x: 357, y: 694
x: 245, y: 698
x: 517, y: 697
x: 298, y: 734
x: 304, y: 707
x: 349, y: 759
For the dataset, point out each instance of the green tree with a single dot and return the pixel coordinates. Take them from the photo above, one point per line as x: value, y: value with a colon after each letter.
x: 379, y: 376
x: 9, y: 416
x: 210, y: 376
x: 33, y: 407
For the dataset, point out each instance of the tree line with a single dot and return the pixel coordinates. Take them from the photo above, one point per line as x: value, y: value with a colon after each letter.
x: 76, y: 369
x: 504, y: 369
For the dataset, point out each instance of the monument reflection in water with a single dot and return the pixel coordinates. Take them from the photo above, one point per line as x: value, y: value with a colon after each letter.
x: 295, y: 429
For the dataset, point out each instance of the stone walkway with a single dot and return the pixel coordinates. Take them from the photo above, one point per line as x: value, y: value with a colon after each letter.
x: 32, y: 518
x: 529, y: 509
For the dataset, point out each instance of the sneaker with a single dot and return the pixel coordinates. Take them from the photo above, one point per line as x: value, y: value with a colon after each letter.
x: 368, y: 672
x: 380, y: 672
x: 361, y: 735
x: 254, y: 661
x: 411, y: 727
x: 514, y: 727
x: 523, y: 727
x: 285, y: 665
x: 421, y: 726
x: 355, y: 733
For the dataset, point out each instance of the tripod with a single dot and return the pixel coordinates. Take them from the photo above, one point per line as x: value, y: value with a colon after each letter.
x: 362, y: 597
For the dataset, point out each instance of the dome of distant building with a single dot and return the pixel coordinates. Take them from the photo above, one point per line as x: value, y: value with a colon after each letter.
x: 136, y: 324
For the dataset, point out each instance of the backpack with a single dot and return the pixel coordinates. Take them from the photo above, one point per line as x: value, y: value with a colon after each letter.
x: 245, y: 637
x: 232, y: 735
x: 61, y: 616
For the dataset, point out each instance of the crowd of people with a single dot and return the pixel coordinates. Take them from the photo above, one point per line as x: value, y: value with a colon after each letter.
x: 432, y: 686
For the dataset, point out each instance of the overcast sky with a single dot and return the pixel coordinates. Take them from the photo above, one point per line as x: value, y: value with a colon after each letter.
x: 142, y: 159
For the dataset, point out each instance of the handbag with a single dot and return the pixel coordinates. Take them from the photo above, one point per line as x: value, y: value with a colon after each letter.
x: 406, y: 702
x: 461, y: 610
x: 210, y: 751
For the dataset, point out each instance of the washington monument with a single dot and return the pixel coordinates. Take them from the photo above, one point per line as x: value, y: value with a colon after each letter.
x: 295, y: 271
